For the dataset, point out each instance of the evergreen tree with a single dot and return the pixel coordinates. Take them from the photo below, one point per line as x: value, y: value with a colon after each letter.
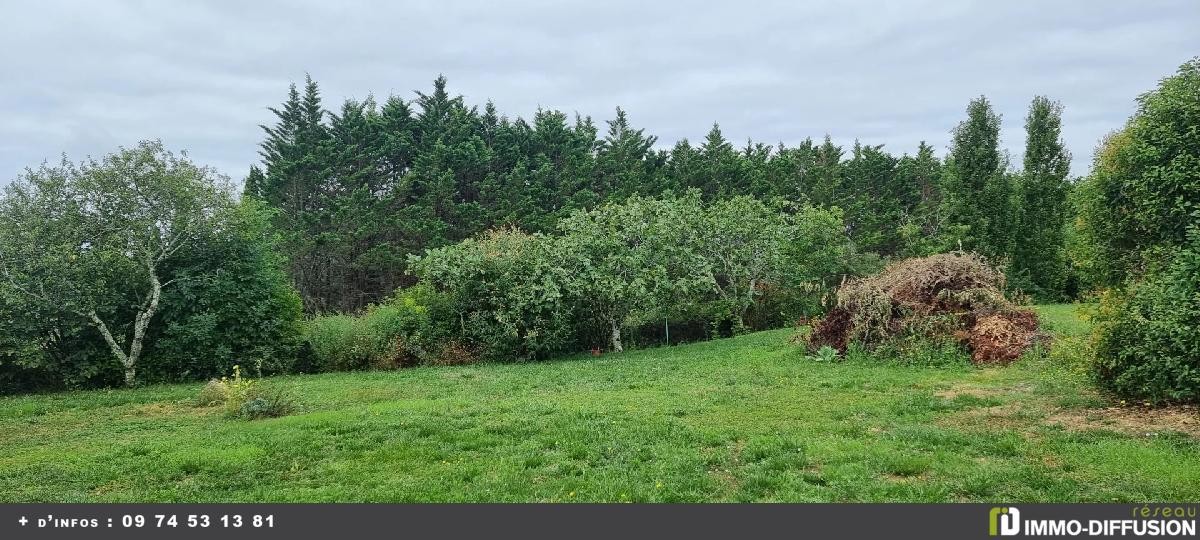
x: 874, y: 198
x: 295, y: 162
x: 924, y: 228
x: 722, y: 174
x: 622, y: 165
x: 824, y: 187
x: 254, y: 184
x: 978, y: 193
x: 1038, y: 259
x: 790, y: 171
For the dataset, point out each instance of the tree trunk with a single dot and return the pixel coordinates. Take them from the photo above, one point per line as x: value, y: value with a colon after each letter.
x: 140, y: 324
x: 114, y: 347
x: 616, y: 336
x: 740, y: 320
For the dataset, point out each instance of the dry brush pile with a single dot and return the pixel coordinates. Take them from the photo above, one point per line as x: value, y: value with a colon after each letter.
x: 956, y: 296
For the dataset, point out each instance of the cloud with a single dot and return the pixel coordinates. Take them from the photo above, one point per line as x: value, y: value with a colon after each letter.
x: 85, y: 77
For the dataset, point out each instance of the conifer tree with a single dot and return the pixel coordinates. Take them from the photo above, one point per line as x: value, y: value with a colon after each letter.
x: 824, y: 187
x: 978, y: 193
x: 722, y: 174
x: 924, y: 228
x: 1038, y: 255
x: 622, y: 166
x: 874, y: 199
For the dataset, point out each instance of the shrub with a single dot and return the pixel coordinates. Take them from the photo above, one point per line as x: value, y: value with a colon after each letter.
x: 655, y: 267
x: 243, y: 310
x: 332, y: 340
x: 266, y: 402
x: 237, y: 389
x: 394, y: 332
x: 225, y: 299
x: 390, y: 335
x: 1144, y: 188
x: 454, y: 353
x: 1147, y: 343
x: 246, y: 398
x: 503, y: 294
x: 216, y: 392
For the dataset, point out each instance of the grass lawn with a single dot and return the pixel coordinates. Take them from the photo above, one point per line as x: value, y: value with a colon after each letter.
x: 744, y: 419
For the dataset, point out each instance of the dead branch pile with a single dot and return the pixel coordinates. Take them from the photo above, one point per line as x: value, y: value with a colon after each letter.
x: 953, y: 296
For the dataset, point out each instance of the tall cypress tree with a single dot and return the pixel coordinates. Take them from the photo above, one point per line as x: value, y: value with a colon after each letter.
x: 622, y: 166
x: 790, y: 170
x: 1038, y: 258
x: 296, y: 162
x: 723, y: 175
x: 826, y: 185
x: 873, y: 198
x: 924, y: 229
x: 978, y: 193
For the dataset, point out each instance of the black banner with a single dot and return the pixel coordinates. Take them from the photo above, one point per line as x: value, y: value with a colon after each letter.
x: 266, y: 521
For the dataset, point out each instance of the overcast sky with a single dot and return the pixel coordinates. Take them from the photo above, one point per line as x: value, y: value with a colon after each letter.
x: 86, y: 77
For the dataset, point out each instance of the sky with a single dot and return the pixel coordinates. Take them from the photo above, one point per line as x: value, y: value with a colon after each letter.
x: 84, y: 78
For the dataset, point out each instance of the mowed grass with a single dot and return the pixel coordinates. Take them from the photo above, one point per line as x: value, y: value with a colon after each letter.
x: 744, y: 419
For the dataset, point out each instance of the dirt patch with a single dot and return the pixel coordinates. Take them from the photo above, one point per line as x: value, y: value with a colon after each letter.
x: 159, y: 409
x: 982, y: 392
x: 1024, y: 416
x: 1131, y: 420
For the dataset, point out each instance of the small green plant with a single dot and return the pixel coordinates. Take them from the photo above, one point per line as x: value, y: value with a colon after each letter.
x: 213, y: 393
x: 237, y: 390
x: 267, y: 402
x: 246, y: 398
x: 824, y: 354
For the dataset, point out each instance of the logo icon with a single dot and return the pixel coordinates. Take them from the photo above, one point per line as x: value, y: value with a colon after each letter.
x: 1004, y: 521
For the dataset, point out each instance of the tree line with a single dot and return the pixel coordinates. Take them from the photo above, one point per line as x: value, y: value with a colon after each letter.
x: 359, y: 189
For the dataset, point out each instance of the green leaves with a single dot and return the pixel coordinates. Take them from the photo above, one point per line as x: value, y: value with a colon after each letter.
x: 1139, y: 225
x: 644, y: 261
x: 151, y: 250
x: 1038, y: 263
x: 978, y: 191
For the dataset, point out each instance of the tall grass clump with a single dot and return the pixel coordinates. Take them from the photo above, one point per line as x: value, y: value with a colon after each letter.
x: 386, y: 336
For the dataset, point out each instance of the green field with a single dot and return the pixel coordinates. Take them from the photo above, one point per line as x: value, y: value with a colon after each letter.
x: 743, y: 419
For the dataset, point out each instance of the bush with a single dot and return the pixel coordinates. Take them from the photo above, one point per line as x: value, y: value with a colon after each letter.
x: 265, y: 402
x: 243, y: 310
x: 1147, y: 343
x: 501, y: 294
x: 216, y: 392
x: 332, y: 340
x: 646, y: 266
x: 225, y: 300
x: 390, y: 335
x: 454, y: 353
x: 246, y: 398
